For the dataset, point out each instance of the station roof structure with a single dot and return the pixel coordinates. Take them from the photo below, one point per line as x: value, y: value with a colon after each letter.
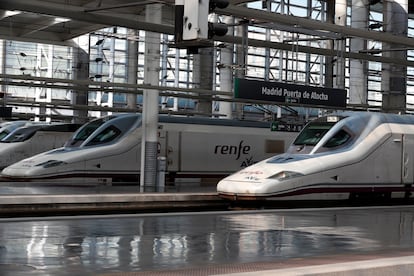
x: 59, y: 21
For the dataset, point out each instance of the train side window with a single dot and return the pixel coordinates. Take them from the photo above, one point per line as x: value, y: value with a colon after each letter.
x: 105, y: 136
x: 340, y: 138
x: 274, y: 146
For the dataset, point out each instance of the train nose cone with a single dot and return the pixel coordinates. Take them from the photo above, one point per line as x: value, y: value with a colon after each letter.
x: 240, y: 187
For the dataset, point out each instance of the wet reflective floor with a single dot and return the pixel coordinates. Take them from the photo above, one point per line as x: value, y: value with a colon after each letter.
x: 95, y: 245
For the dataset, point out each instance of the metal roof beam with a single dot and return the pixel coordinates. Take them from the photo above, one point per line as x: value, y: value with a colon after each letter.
x: 305, y: 23
x: 314, y: 50
x: 78, y: 13
x: 39, y: 26
x: 38, y: 37
x: 81, y: 14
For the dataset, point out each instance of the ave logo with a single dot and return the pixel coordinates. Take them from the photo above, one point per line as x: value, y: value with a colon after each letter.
x: 249, y: 161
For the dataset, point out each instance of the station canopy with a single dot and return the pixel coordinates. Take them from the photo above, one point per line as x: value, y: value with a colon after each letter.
x: 59, y: 21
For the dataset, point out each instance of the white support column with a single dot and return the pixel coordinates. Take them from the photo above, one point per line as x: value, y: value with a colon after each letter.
x: 177, y: 77
x: 281, y: 10
x: 150, y: 101
x: 339, y: 65
x: 44, y: 63
x: 241, y: 62
x: 98, y: 77
x: 226, y: 75
x: 3, y: 87
x: 110, y: 102
x: 358, y: 71
x: 203, y: 74
x: 394, y: 76
x: 132, y: 66
x: 3, y: 62
x: 164, y: 71
x: 80, y: 65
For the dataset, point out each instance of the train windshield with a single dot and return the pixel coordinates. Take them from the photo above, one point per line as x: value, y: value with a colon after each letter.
x: 107, y: 135
x: 7, y: 127
x: 103, y: 130
x: 4, y: 133
x: 313, y: 133
x: 340, y: 138
x: 21, y: 134
x: 86, y: 131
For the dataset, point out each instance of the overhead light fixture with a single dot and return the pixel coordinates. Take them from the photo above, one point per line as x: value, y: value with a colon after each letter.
x: 376, y: 51
x: 99, y: 42
x: 11, y: 13
x: 61, y: 20
x: 372, y: 51
x: 375, y: 26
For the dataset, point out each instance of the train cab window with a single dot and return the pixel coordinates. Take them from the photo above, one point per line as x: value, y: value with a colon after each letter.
x: 20, y: 135
x: 4, y: 133
x: 312, y: 133
x: 105, y: 136
x: 84, y: 132
x: 340, y: 138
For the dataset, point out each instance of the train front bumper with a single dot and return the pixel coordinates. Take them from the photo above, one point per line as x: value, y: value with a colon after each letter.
x: 249, y: 190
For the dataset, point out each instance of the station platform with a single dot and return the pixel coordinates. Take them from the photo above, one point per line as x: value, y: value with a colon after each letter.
x: 58, y: 204
x: 45, y: 198
x: 373, y: 265
x: 310, y: 241
x: 399, y: 263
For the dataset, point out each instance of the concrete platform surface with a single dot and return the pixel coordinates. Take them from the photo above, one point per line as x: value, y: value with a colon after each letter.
x: 36, y: 204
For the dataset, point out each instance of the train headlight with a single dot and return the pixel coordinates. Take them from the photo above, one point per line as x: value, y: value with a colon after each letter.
x: 285, y: 175
x: 51, y: 163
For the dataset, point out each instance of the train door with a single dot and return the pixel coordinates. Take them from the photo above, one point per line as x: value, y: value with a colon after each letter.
x: 168, y: 147
x: 407, y: 164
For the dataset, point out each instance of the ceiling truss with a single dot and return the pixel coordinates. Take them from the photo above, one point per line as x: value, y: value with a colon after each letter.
x: 60, y: 21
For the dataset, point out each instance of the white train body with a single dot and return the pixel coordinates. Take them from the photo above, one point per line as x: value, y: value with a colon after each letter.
x: 192, y: 147
x: 349, y: 155
x: 32, y: 138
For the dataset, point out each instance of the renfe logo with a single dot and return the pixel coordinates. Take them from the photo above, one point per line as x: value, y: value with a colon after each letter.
x: 232, y: 150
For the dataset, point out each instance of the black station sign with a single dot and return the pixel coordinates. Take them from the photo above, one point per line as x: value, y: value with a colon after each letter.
x: 289, y: 93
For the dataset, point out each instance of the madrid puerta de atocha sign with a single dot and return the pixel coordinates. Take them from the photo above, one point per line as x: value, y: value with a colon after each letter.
x: 289, y: 93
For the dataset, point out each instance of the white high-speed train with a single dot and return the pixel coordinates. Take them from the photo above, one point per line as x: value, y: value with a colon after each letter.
x: 343, y: 156
x: 110, y: 147
x: 25, y: 139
